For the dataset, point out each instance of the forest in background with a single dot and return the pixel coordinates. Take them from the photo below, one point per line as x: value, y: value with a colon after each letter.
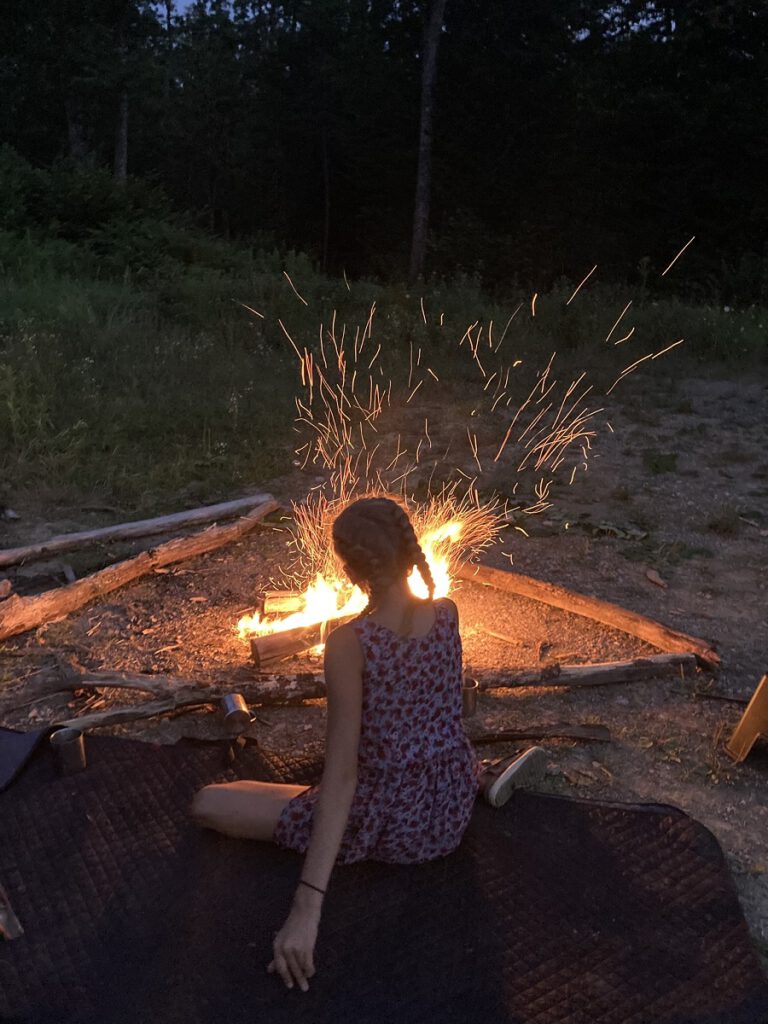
x: 163, y: 167
x: 566, y: 132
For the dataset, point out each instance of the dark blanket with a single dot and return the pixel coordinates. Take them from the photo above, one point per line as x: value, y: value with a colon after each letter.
x: 551, y: 911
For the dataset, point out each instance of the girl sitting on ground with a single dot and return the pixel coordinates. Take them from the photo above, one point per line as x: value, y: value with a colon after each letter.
x: 400, y: 774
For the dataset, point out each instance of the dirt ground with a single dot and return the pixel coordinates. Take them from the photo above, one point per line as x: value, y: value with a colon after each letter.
x: 678, y: 490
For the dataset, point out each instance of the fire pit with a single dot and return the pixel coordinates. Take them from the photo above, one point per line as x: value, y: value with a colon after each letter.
x: 288, y: 622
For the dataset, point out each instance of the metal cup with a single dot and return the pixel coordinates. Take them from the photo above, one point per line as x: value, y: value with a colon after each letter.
x: 236, y: 714
x: 468, y: 697
x: 69, y: 748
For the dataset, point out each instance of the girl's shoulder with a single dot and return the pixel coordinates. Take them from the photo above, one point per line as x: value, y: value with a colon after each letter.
x: 447, y: 606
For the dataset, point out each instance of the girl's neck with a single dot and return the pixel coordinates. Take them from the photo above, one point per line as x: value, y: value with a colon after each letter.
x: 400, y: 611
x: 397, y: 598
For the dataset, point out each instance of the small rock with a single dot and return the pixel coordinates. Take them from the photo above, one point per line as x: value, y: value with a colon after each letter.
x: 5, y: 589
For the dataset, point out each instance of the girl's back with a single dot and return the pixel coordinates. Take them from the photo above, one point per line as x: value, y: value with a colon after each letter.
x: 411, y: 691
x: 417, y: 774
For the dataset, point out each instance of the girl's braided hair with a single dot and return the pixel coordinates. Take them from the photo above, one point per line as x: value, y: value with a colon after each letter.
x: 375, y: 538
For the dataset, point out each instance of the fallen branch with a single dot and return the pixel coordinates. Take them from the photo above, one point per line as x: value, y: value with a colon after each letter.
x: 723, y: 697
x: 595, y: 674
x: 118, y: 716
x: 18, y: 614
x: 126, y: 531
x: 598, y: 733
x: 277, y: 689
x: 601, y: 611
x: 267, y: 690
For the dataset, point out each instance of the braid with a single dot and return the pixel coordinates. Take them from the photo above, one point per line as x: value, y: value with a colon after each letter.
x: 412, y: 550
x: 376, y: 539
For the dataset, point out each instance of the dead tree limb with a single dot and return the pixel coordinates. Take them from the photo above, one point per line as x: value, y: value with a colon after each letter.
x: 594, y: 674
x: 267, y: 690
x: 126, y: 531
x: 18, y: 614
x: 277, y: 689
x: 652, y: 632
x: 118, y: 716
x: 598, y: 733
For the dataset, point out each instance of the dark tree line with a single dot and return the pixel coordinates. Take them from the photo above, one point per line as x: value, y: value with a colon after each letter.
x: 564, y: 132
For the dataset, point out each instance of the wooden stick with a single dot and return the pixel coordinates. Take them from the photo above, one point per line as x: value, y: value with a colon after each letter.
x: 116, y: 716
x: 722, y: 696
x: 594, y: 674
x: 281, y: 602
x: 599, y: 733
x: 18, y: 614
x: 277, y: 689
x: 272, y: 689
x: 126, y: 531
x: 601, y: 611
x: 273, y: 646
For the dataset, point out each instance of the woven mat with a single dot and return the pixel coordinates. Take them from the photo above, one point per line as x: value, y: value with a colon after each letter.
x: 551, y: 911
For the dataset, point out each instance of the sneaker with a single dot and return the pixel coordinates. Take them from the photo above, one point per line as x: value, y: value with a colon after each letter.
x: 521, y: 771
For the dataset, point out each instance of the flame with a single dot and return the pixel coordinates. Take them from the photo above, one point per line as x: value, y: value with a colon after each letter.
x: 326, y: 598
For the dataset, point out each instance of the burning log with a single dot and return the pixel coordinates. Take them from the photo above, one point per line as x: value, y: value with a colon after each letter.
x: 274, y: 646
x: 281, y: 602
x: 18, y: 614
x: 126, y: 531
x: 592, y: 608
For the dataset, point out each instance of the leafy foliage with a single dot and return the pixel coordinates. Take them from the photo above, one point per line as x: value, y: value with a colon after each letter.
x: 567, y: 132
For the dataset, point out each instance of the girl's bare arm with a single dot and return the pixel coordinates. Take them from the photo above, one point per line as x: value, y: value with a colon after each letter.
x: 294, y: 944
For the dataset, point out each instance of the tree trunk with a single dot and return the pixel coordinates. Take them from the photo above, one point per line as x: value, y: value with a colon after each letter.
x: 168, y: 40
x: 121, y: 139
x: 326, y: 199
x: 78, y: 147
x: 424, y: 170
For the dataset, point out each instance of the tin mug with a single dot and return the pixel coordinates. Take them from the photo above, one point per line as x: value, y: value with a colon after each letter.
x: 236, y: 713
x: 468, y: 697
x: 69, y: 747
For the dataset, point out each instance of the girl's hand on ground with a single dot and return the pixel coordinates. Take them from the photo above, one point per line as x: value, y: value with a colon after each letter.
x: 294, y: 947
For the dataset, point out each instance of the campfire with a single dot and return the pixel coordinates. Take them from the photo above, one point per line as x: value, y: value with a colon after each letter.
x: 450, y: 531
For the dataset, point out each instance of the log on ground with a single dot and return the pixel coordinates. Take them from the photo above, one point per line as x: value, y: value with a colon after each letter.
x: 127, y: 531
x: 558, y: 731
x: 593, y: 674
x: 661, y: 636
x: 18, y: 614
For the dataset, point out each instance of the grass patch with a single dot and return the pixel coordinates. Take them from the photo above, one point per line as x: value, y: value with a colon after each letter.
x: 130, y: 369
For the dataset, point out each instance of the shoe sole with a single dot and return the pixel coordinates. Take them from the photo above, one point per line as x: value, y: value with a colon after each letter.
x: 527, y: 770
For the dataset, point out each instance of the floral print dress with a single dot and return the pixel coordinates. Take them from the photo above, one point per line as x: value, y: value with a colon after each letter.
x: 417, y: 773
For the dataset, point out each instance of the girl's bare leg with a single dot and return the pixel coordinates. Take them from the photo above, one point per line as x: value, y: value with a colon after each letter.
x: 244, y: 809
